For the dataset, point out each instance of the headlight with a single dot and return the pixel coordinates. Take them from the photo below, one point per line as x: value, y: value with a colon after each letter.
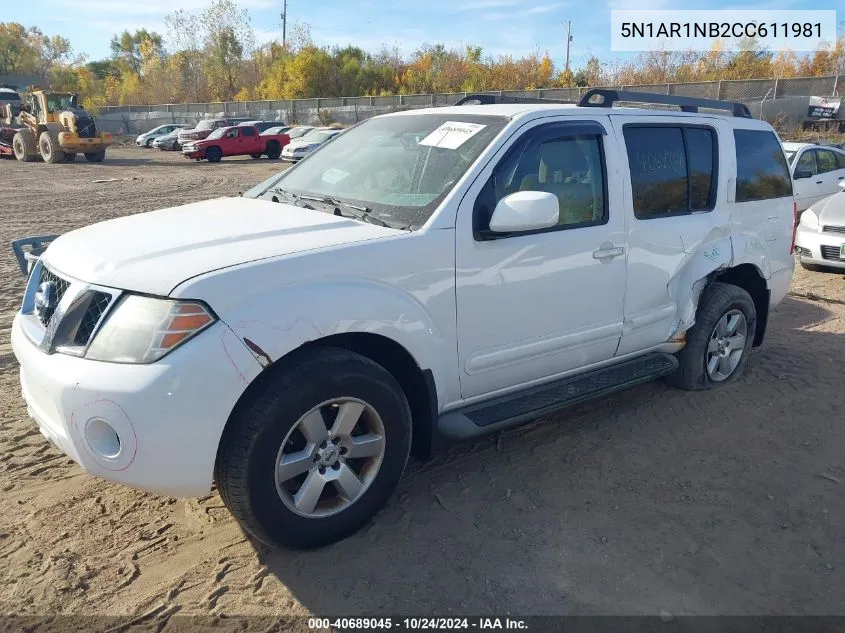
x: 810, y: 220
x: 143, y: 329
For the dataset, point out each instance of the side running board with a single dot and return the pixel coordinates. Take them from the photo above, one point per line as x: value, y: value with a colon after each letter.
x: 515, y: 409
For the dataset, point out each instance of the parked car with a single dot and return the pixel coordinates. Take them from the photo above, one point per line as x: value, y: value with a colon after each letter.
x: 206, y: 127
x: 487, y: 265
x: 146, y: 139
x: 816, y: 170
x: 9, y: 95
x: 239, y: 140
x: 262, y: 125
x: 298, y: 131
x: 168, y: 142
x: 279, y: 129
x: 299, y: 148
x: 820, y: 238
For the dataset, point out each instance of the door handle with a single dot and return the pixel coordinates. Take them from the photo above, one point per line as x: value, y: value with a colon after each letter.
x: 820, y: 182
x: 608, y: 251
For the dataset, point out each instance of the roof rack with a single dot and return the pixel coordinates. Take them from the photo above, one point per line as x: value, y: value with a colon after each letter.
x: 602, y: 98
x: 486, y: 99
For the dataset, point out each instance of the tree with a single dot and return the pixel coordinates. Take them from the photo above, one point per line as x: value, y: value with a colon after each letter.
x: 17, y: 55
x: 128, y: 46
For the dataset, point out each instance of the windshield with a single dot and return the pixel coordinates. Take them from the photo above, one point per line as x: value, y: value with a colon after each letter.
x: 205, y: 125
x: 218, y: 133
x: 270, y: 131
x: 790, y: 156
x: 318, y: 137
x: 400, y: 167
x: 298, y: 132
x: 59, y: 102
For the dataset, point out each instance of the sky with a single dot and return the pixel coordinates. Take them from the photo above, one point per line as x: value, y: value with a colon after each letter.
x: 515, y: 27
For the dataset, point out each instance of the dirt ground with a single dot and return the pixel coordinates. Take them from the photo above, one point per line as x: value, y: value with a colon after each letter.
x: 653, y: 500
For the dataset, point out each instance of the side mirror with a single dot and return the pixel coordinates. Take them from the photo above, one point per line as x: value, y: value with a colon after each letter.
x: 802, y: 173
x: 525, y: 211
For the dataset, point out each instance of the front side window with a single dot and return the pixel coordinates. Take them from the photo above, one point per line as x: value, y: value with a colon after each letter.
x: 761, y: 169
x: 826, y: 160
x: 398, y: 167
x: 807, y: 164
x: 673, y: 169
x: 840, y: 160
x: 569, y: 166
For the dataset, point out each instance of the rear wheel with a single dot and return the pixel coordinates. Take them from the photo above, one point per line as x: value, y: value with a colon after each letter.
x: 70, y: 157
x: 256, y: 156
x: 274, y: 151
x: 316, y: 451
x: 213, y: 154
x: 95, y: 157
x: 719, y: 344
x: 24, y: 147
x: 49, y: 148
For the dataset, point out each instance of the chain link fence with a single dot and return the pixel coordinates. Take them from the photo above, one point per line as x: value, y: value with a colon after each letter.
x: 134, y: 119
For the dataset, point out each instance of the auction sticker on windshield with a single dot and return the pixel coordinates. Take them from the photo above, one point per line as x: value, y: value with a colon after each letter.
x: 452, y: 134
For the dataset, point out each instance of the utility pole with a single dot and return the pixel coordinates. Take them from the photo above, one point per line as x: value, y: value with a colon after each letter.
x: 284, y: 23
x: 568, y: 41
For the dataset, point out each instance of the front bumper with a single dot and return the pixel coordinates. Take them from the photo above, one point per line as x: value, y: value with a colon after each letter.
x: 168, y: 415
x: 821, y: 249
x: 195, y: 153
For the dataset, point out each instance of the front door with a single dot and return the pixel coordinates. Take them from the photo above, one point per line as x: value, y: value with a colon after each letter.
x: 533, y: 305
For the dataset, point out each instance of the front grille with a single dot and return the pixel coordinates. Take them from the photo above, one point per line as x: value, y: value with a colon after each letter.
x: 831, y: 253
x: 96, y: 307
x: 833, y: 229
x: 61, y: 287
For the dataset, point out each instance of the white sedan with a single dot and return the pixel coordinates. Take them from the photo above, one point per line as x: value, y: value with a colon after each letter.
x: 300, y: 148
x: 816, y: 170
x: 820, y: 236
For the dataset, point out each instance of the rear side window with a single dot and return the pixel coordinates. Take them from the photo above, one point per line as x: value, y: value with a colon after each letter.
x: 673, y: 169
x: 761, y: 171
x: 248, y: 131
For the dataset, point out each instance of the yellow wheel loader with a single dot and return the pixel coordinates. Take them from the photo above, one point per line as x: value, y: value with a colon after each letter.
x: 55, y: 127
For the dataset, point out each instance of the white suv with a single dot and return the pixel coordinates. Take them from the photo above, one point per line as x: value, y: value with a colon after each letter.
x: 426, y: 276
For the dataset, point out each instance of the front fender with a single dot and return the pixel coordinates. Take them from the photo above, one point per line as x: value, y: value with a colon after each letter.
x: 301, y: 313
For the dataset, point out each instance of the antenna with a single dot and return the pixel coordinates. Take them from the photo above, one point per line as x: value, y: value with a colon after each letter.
x: 284, y: 23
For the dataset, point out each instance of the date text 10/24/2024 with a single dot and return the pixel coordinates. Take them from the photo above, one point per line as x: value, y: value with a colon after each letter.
x: 417, y: 624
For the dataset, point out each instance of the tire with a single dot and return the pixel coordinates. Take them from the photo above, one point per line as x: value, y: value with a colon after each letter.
x: 213, y: 154
x: 270, y: 420
x: 149, y: 143
x: 24, y: 147
x: 176, y: 147
x: 70, y: 157
x: 49, y: 148
x: 255, y: 156
x: 95, y: 157
x: 719, y: 301
x: 274, y: 151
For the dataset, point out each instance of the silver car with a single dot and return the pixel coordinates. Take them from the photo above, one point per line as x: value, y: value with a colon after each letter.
x: 820, y: 236
x: 146, y: 139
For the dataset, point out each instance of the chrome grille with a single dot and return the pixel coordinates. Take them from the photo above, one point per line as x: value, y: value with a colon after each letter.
x: 831, y: 253
x: 833, y: 229
x: 61, y: 285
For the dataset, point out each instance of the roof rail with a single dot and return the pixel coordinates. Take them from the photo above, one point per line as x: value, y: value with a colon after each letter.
x: 486, y: 99
x: 604, y: 98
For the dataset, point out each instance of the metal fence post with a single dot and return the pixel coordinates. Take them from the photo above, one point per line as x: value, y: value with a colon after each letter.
x: 774, y: 96
x: 719, y: 90
x: 835, y: 86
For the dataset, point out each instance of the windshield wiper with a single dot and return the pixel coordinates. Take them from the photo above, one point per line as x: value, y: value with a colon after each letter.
x: 294, y: 197
x: 357, y: 211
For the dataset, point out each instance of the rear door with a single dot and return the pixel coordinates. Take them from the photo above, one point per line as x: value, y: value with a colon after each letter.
x: 672, y: 210
x: 250, y: 141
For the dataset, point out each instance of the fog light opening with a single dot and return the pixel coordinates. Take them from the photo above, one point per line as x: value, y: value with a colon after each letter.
x: 102, y: 438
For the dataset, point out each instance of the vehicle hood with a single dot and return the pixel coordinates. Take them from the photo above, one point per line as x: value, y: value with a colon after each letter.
x: 831, y: 210
x: 156, y: 251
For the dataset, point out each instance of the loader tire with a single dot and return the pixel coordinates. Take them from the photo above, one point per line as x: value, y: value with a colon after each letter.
x: 95, y: 157
x: 49, y: 148
x: 24, y: 147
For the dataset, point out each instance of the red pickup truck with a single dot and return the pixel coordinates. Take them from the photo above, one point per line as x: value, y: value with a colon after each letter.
x: 242, y: 140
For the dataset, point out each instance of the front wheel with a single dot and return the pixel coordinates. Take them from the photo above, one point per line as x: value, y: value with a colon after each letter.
x: 95, y: 157
x: 719, y: 344
x: 316, y: 451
